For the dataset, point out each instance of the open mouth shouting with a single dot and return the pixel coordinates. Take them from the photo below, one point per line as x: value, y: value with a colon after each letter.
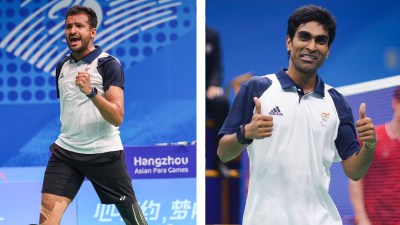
x: 74, y: 41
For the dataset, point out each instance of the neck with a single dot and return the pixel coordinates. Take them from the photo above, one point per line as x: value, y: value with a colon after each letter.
x: 79, y: 55
x: 305, y: 81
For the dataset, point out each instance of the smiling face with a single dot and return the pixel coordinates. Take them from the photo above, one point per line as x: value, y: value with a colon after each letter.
x: 308, y: 49
x: 79, y: 35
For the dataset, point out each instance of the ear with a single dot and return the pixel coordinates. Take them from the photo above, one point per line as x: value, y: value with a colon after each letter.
x: 288, y: 43
x: 327, y: 54
x: 93, y: 33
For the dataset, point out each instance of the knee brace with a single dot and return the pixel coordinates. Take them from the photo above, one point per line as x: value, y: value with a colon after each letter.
x: 51, y: 213
x: 131, y: 214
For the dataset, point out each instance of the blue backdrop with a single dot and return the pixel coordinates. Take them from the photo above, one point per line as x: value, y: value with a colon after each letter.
x: 155, y: 42
x: 253, y: 37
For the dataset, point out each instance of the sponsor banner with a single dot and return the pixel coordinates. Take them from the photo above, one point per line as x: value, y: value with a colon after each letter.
x: 169, y: 201
x: 163, y: 201
x: 161, y: 161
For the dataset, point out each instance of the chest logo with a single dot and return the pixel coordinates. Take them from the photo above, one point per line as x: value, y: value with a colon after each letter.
x: 324, y: 118
x: 62, y: 76
x: 276, y: 111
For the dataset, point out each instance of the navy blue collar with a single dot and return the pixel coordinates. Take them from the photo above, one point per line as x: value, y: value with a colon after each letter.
x: 89, y: 58
x: 287, y: 82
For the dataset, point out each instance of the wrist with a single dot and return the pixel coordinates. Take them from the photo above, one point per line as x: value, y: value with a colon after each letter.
x: 93, y: 93
x: 241, y: 135
x: 369, y: 145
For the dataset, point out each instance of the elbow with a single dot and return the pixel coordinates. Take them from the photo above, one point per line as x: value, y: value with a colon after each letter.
x: 221, y: 156
x: 354, y: 170
x: 354, y: 176
x: 117, y: 122
x: 118, y: 118
x: 223, y: 159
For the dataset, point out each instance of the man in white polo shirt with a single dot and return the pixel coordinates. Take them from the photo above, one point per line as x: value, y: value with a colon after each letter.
x: 90, y: 86
x: 294, y: 127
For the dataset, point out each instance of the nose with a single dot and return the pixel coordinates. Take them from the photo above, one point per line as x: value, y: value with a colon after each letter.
x: 72, y: 30
x: 312, y: 45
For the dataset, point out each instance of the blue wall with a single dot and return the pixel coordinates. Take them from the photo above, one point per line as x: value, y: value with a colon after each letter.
x: 158, y: 55
x: 253, y: 34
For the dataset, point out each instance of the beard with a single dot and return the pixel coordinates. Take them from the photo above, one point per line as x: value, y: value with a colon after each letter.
x: 79, y: 48
x: 306, y: 67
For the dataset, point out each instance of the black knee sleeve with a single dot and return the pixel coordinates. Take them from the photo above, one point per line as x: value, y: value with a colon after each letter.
x: 131, y: 214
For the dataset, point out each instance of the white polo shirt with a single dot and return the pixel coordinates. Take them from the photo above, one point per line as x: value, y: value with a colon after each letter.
x: 289, y: 171
x: 83, y: 128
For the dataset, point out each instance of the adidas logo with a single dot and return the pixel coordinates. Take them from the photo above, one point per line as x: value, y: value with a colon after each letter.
x: 62, y: 76
x: 122, y: 198
x: 276, y: 111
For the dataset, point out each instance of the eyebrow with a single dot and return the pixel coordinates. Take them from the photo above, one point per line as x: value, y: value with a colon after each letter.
x: 315, y: 37
x: 76, y: 23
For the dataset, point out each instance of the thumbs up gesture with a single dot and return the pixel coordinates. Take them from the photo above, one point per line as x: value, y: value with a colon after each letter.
x: 365, y: 128
x: 260, y: 125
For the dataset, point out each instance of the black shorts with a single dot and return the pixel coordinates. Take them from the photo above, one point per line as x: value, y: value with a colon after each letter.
x: 107, y: 172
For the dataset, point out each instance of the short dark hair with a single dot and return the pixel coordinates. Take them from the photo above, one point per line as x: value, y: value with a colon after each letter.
x: 310, y: 13
x: 77, y: 9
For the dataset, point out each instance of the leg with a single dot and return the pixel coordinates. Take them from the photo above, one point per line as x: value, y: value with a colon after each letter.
x: 131, y: 214
x: 109, y: 176
x: 52, y: 209
x: 60, y: 184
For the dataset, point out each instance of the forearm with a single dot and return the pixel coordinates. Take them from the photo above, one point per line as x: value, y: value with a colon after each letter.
x: 110, y: 111
x: 357, y: 165
x: 229, y: 148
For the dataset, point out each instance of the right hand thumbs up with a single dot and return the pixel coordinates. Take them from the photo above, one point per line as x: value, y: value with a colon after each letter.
x: 365, y: 128
x: 258, y: 105
x: 260, y: 125
x: 362, y: 111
